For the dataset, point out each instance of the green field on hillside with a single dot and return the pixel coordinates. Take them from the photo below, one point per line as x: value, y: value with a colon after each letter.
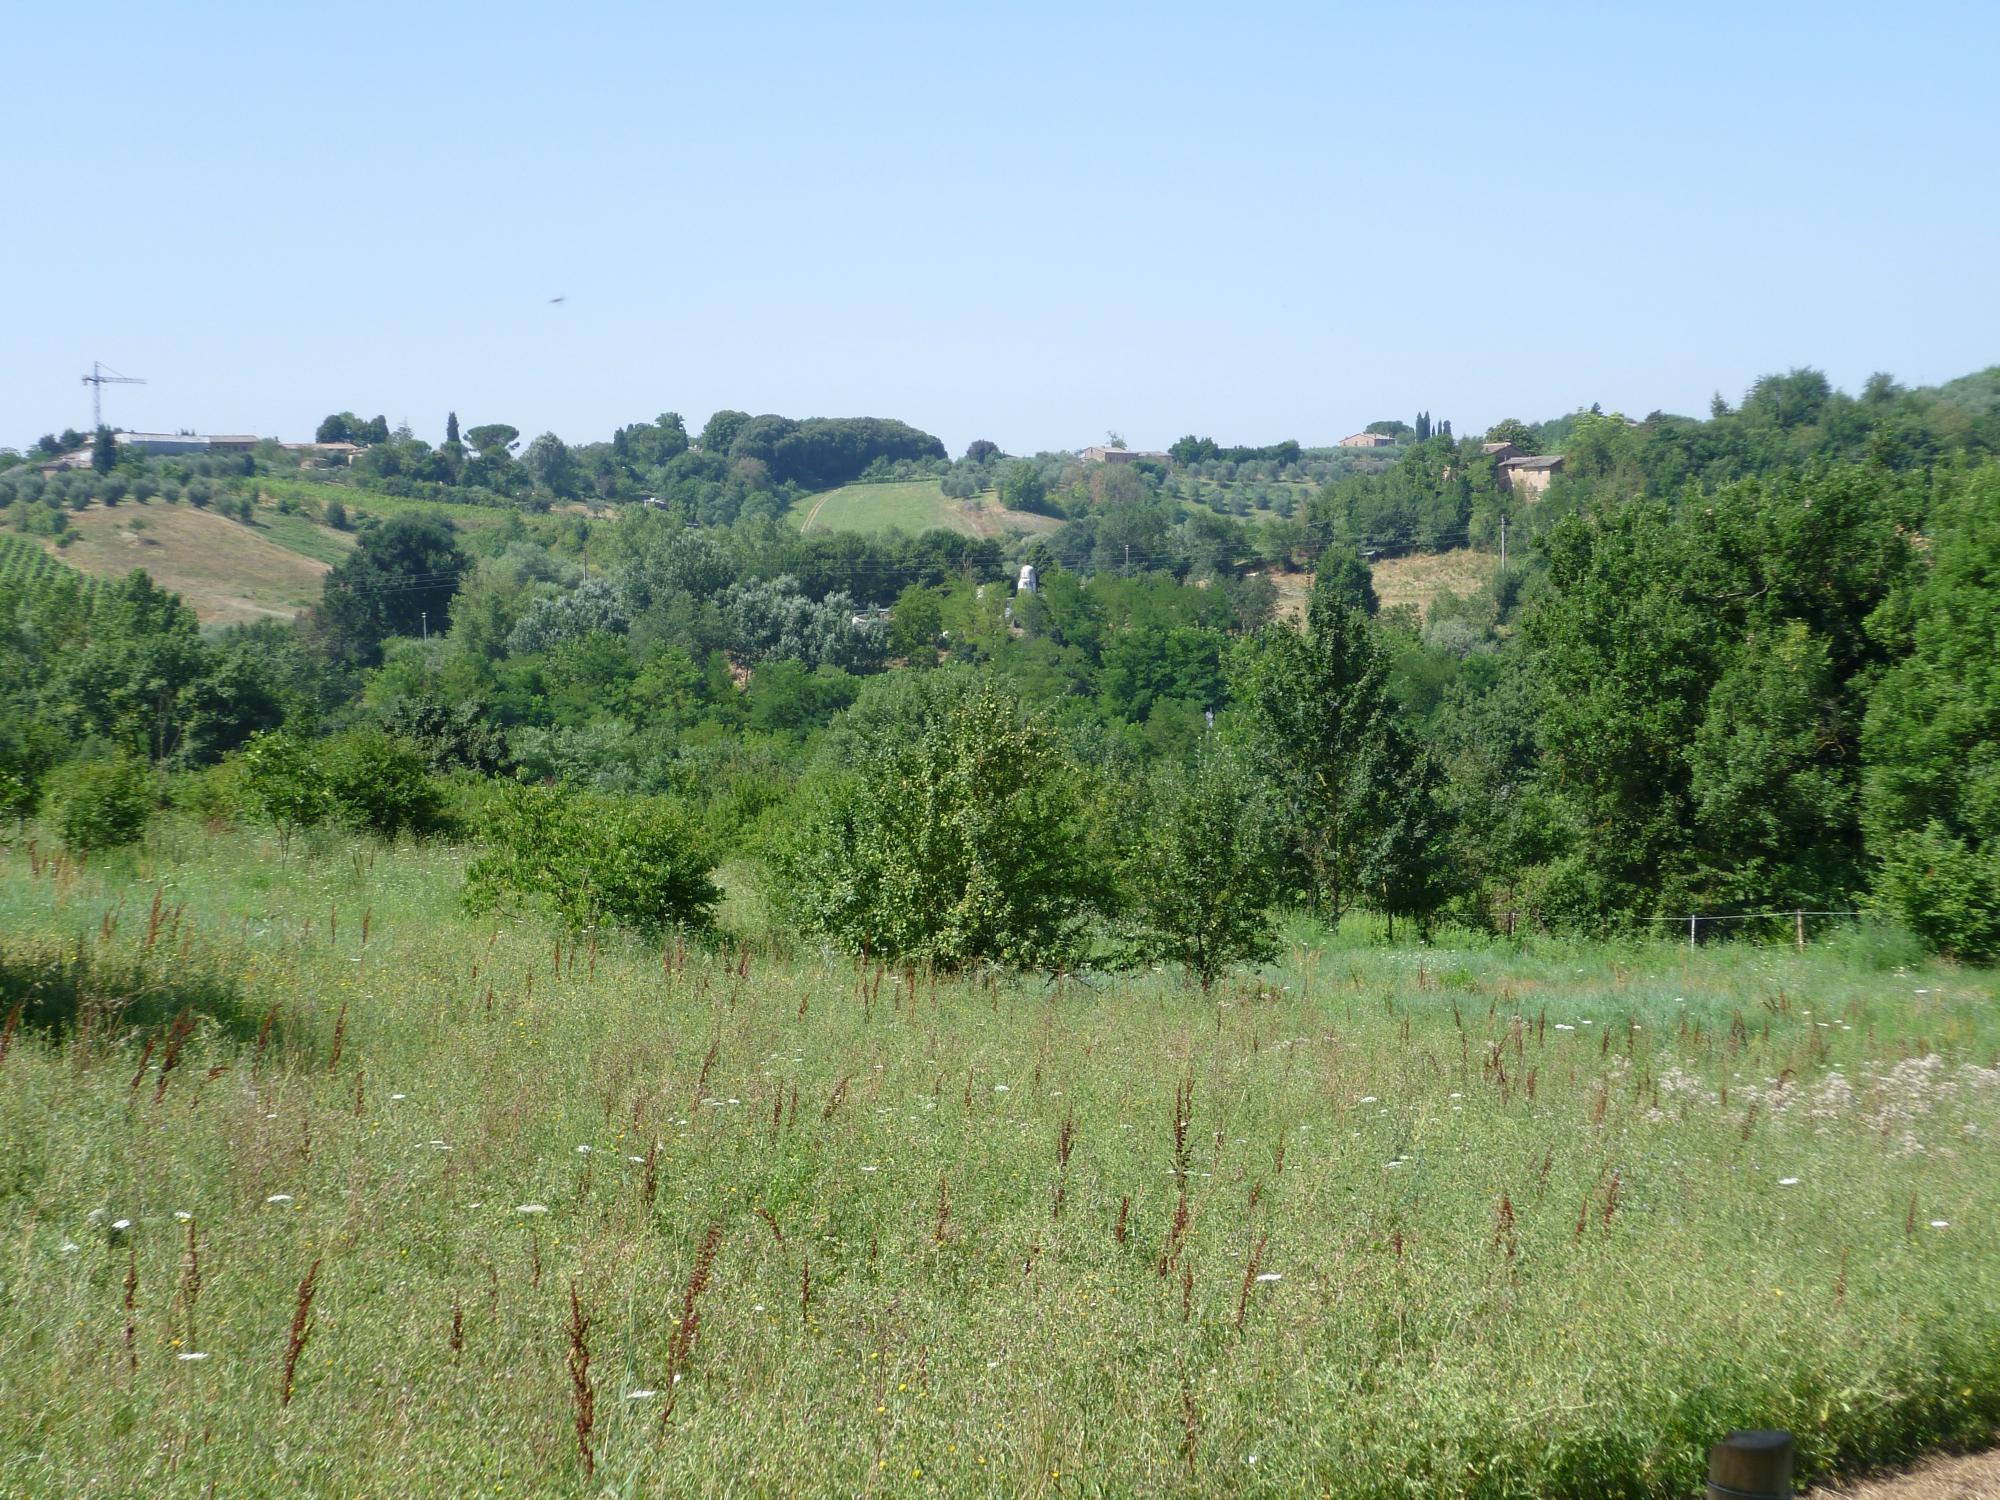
x: 913, y: 506
x: 316, y: 493
x: 406, y: 1201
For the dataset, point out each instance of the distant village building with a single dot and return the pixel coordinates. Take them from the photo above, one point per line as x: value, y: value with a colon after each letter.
x: 1499, y: 452
x: 1529, y: 475
x: 162, y: 444
x: 1029, y: 581
x: 1097, y: 453
x: 314, y: 454
x: 1368, y: 440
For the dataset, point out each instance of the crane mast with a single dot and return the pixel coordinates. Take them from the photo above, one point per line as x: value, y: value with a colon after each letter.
x: 97, y: 380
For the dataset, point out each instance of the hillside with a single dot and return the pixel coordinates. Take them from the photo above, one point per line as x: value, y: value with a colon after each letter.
x: 230, y: 573
x: 914, y: 506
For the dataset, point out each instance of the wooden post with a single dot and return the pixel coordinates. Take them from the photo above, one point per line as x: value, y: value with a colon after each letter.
x: 1751, y: 1466
x: 1691, y: 921
x: 1799, y: 924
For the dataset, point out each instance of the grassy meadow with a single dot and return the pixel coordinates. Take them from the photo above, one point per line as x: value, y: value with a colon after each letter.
x: 913, y: 506
x: 1486, y: 1220
x: 229, y: 573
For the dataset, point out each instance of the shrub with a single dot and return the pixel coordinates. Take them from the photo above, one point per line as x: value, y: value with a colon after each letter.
x: 591, y: 860
x: 1946, y: 892
x: 103, y: 804
x: 285, y: 785
x: 1203, y: 871
x: 380, y: 783
x: 957, y: 836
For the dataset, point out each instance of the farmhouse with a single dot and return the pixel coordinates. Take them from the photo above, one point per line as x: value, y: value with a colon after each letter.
x: 1097, y: 453
x: 1368, y: 440
x: 1530, y: 474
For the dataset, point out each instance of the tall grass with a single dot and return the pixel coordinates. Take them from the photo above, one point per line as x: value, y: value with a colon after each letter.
x: 1317, y: 1233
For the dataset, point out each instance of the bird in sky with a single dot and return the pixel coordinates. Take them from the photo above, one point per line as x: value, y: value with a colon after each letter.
x: 554, y: 300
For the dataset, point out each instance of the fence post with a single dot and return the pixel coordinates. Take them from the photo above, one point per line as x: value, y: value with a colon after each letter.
x: 1751, y: 1466
x: 1691, y: 922
x: 1799, y: 922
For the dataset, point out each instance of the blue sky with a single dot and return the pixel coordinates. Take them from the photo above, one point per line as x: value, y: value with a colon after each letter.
x: 1030, y: 223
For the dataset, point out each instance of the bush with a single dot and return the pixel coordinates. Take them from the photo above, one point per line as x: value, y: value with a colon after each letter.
x: 283, y: 782
x: 103, y: 804
x: 1946, y: 892
x: 381, y: 784
x: 957, y: 836
x: 1203, y: 871
x: 590, y: 861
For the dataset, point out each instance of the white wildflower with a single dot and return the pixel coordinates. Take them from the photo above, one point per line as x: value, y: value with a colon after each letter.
x: 279, y: 1198
x: 532, y: 1208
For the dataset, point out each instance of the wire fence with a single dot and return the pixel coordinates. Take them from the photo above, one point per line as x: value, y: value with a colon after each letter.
x: 1694, y: 922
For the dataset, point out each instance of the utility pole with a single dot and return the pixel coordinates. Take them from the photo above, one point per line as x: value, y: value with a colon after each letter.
x: 424, y: 615
x: 97, y: 380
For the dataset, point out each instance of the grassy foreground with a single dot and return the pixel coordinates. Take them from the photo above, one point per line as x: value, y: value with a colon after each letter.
x: 1488, y: 1221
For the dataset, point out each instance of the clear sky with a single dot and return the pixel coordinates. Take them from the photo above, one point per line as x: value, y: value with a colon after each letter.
x: 1025, y: 222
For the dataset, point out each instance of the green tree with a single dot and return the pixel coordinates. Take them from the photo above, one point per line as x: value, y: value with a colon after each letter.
x: 1021, y: 486
x: 953, y: 833
x: 548, y: 460
x: 399, y: 581
x: 104, y: 451
x: 493, y: 440
x: 286, y: 786
x: 1931, y: 740
x: 1315, y: 710
x: 1202, y: 875
x: 451, y: 427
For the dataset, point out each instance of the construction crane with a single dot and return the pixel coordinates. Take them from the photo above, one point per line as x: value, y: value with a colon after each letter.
x: 97, y: 380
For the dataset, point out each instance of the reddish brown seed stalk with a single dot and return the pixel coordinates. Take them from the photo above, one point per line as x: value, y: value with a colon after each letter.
x: 145, y: 1057
x: 943, y: 1212
x: 264, y: 1033
x: 1611, y: 1199
x: 132, y: 1309
x: 7, y: 1030
x: 1503, y: 1227
x: 1120, y: 1230
x: 771, y: 1219
x: 690, y: 1319
x: 457, y: 1339
x: 177, y: 1036
x: 301, y: 1331
x: 833, y: 1102
x: 1190, y: 1427
x: 579, y: 1377
x: 339, y: 1037
x: 649, y: 1175
x: 1251, y: 1267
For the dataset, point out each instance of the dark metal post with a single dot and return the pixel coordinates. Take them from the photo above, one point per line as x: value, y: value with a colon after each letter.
x: 1751, y: 1466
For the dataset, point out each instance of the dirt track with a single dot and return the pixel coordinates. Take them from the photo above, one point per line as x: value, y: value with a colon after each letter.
x: 1973, y: 1478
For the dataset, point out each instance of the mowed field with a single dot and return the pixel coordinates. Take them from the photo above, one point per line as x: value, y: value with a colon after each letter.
x: 913, y: 506
x: 1419, y: 578
x: 229, y: 573
x: 317, y: 1186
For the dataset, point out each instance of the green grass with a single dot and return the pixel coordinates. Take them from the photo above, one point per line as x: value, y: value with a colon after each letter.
x: 914, y: 505
x: 303, y: 535
x: 359, y: 501
x: 1358, y: 1118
